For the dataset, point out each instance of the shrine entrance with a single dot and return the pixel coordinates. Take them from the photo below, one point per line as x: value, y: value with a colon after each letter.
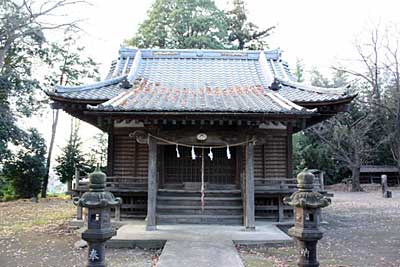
x: 183, y: 170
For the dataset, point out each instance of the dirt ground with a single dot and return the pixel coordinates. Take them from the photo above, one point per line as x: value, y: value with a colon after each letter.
x: 362, y: 230
x: 36, y: 235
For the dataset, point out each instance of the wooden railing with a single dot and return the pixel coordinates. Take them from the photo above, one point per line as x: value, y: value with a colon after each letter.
x: 114, y: 184
x: 139, y: 184
x: 283, y: 184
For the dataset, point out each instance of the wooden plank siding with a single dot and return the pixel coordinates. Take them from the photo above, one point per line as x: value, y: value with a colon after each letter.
x: 272, y: 173
x: 130, y: 158
x: 130, y: 162
x: 270, y: 159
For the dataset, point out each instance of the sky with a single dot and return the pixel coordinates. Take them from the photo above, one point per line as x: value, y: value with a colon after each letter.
x: 320, y: 33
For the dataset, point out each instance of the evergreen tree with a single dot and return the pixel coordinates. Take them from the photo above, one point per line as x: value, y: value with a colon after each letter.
x: 309, y: 152
x: 242, y: 33
x: 182, y: 24
x: 71, y: 157
x: 299, y: 71
x: 198, y: 24
x: 98, y: 151
x: 27, y: 169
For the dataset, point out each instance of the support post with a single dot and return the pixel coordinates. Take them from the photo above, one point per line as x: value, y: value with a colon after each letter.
x: 152, y: 185
x: 117, y: 215
x: 289, y: 151
x: 79, y: 211
x: 110, y: 150
x: 78, y: 208
x: 322, y: 180
x: 250, y: 210
x: 77, y: 178
x: 281, y: 214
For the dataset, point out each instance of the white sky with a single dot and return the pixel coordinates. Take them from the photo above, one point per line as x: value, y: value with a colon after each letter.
x: 318, y: 32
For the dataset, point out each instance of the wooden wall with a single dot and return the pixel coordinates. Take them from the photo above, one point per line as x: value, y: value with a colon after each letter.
x: 128, y: 162
x: 129, y: 157
x: 270, y: 159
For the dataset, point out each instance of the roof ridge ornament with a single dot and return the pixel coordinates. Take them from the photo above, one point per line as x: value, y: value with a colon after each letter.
x: 265, y: 70
x: 135, y: 66
x: 275, y: 85
x: 125, y: 84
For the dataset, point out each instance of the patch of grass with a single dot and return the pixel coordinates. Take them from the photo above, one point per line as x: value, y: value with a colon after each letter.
x: 257, y: 262
x: 59, y: 196
x: 23, y: 215
x: 262, y: 256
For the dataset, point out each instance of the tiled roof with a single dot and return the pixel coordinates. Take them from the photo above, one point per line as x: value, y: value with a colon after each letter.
x: 378, y: 168
x: 148, y: 96
x: 200, y: 80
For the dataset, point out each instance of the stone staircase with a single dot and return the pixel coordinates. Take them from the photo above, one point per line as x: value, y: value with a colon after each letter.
x: 184, y: 207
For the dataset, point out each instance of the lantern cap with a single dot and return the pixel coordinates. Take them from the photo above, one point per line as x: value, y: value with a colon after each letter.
x: 97, y: 180
x: 97, y: 197
x: 306, y: 197
x: 305, y: 180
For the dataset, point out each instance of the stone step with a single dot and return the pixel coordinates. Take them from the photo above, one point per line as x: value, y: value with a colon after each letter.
x: 197, y: 186
x: 190, y: 193
x: 199, y: 219
x: 183, y: 253
x: 195, y: 201
x: 208, y: 210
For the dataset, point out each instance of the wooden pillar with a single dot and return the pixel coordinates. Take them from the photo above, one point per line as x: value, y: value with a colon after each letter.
x: 289, y: 151
x: 152, y: 185
x: 249, y: 192
x: 110, y: 150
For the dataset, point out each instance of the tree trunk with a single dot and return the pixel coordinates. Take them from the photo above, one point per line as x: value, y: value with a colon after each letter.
x: 4, y: 51
x: 398, y: 163
x: 355, y: 179
x: 48, y: 162
x: 69, y: 185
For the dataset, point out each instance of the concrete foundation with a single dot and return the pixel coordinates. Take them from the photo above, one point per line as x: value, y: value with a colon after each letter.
x: 134, y: 234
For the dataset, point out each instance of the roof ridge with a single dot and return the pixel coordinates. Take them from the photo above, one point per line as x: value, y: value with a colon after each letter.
x: 287, y: 101
x: 316, y: 89
x: 127, y: 51
x: 135, y: 66
x: 64, y: 89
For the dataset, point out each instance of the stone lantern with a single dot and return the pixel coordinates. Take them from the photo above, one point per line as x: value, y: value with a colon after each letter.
x: 307, y: 205
x: 98, y: 203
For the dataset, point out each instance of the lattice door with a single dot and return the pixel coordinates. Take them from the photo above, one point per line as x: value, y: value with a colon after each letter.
x: 220, y: 170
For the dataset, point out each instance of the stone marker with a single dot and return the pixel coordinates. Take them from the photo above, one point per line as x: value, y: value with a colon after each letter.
x: 307, y: 205
x: 385, y: 192
x: 98, y: 203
